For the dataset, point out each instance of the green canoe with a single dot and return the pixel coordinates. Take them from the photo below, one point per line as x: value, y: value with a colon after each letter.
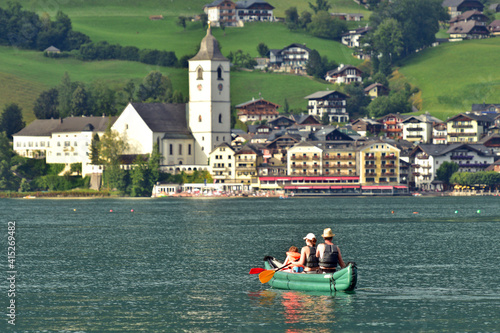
x: 342, y: 280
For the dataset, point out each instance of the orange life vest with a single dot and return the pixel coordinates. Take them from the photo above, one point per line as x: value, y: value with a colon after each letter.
x: 294, y: 256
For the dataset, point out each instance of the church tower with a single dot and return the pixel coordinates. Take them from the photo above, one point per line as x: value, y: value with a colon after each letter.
x: 209, y: 100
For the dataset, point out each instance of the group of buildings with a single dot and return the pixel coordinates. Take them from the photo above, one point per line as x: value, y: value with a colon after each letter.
x: 293, y: 154
x: 468, y: 20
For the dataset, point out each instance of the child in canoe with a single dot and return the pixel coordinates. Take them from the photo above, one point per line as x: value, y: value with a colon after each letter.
x: 293, y: 255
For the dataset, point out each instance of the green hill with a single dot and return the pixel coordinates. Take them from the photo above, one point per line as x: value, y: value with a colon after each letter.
x: 453, y: 76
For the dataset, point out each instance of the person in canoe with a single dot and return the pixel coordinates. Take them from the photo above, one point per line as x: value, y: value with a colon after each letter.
x: 293, y: 255
x: 308, y: 255
x: 329, y: 253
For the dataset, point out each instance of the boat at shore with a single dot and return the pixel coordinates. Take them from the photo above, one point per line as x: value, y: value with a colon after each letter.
x: 342, y: 280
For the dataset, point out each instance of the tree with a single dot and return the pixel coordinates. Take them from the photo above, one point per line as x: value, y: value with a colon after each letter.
x: 111, y: 147
x: 102, y: 99
x: 181, y: 22
x: 286, y: 106
x: 387, y: 40
x: 357, y: 101
x: 292, y: 18
x: 11, y: 120
x: 155, y: 87
x: 445, y: 171
x: 7, y: 179
x: 94, y: 150
x: 321, y: 5
x: 46, y: 104
x: 315, y: 66
x: 154, y: 162
x: 304, y: 20
x: 80, y: 102
x: 324, y: 26
x: 65, y: 90
x: 262, y: 49
x: 139, y: 179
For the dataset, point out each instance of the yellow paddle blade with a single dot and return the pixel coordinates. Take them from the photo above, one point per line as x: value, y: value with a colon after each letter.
x: 266, y: 276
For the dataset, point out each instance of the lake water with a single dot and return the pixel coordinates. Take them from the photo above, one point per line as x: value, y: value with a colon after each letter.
x: 182, y: 265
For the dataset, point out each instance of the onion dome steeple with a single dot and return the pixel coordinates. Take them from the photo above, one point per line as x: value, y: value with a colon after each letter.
x: 209, y: 48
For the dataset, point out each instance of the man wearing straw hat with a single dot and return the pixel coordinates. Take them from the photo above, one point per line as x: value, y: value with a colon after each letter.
x: 329, y: 253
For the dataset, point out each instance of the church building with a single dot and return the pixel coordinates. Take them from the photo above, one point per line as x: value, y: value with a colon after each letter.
x: 185, y: 133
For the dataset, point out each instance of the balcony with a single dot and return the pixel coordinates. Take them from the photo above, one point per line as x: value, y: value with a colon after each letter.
x: 414, y: 137
x: 299, y: 158
x: 370, y: 157
x: 393, y: 130
x: 370, y: 173
x: 462, y: 157
x: 461, y: 126
x: 389, y: 165
x: 462, y: 134
x: 473, y: 165
x: 414, y: 129
x: 316, y: 158
x: 389, y: 157
x: 391, y: 122
x: 422, y: 156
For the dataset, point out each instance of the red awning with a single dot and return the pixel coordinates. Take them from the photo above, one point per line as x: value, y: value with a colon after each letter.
x: 321, y: 187
x: 350, y: 178
x: 351, y: 186
x: 336, y: 187
x: 400, y: 186
x: 290, y: 187
x: 274, y: 178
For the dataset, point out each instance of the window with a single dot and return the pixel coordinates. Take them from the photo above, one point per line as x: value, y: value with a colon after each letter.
x: 66, y: 143
x: 189, y: 149
x: 180, y: 149
x: 75, y: 144
x: 199, y: 74
x: 219, y: 73
x: 171, y: 149
x: 199, y: 118
x: 220, y: 118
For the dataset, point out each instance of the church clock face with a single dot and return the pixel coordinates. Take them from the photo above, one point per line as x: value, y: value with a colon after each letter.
x: 220, y: 86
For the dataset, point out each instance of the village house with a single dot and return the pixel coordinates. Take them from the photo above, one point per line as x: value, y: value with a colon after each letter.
x: 471, y: 15
x: 52, y: 50
x: 486, y: 108
x: 375, y: 90
x: 439, y: 134
x: 64, y: 141
x: 393, y: 125
x: 419, y: 129
x: 344, y: 74
x: 494, y: 28
x: 291, y: 59
x: 366, y: 125
x: 492, y: 142
x: 468, y: 127
x: 427, y: 158
x: 247, y: 158
x: 221, y: 12
x: 254, y: 10
x: 223, y: 165
x: 257, y: 110
x: 329, y: 103
x: 353, y: 37
x: 468, y: 30
x: 378, y: 163
x: 457, y: 7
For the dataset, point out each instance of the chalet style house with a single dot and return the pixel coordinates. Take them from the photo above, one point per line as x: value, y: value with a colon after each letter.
x: 231, y: 14
x: 393, y: 125
x: 471, y: 15
x: 366, y: 125
x: 494, y: 28
x: 344, y: 74
x: 419, y: 129
x: 353, y: 37
x: 485, y: 107
x: 468, y: 127
x: 457, y: 7
x: 330, y: 103
x: 291, y: 59
x: 439, y: 134
x: 375, y: 90
x: 427, y: 158
x: 468, y: 30
x: 257, y: 110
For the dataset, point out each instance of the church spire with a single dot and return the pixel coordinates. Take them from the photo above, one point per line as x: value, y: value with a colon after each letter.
x: 209, y: 48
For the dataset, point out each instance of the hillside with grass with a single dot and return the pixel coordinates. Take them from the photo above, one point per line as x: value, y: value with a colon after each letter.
x: 453, y: 76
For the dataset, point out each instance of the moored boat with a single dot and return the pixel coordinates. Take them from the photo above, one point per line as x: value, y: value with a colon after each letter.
x: 342, y: 280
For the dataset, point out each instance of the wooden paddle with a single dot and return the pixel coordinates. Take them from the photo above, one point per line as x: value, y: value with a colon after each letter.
x: 267, y: 275
x: 256, y: 270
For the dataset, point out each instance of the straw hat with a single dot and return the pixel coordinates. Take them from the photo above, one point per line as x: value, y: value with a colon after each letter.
x: 327, y: 233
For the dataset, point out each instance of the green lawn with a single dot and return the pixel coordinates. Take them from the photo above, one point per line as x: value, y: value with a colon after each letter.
x: 25, y: 74
x: 166, y: 35
x: 455, y: 75
x: 76, y: 8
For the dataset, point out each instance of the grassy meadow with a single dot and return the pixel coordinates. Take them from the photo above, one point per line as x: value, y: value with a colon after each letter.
x: 455, y: 75
x: 25, y: 74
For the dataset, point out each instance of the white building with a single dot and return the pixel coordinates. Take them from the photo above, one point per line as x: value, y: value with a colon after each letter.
x: 332, y: 103
x: 419, y: 128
